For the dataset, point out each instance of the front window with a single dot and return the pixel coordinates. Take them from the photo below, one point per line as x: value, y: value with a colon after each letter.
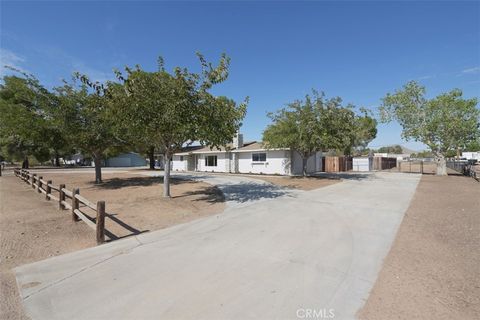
x: 181, y: 158
x: 259, y: 157
x: 210, y: 161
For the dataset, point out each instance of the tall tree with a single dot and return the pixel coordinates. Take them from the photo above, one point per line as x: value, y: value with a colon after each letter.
x: 24, y: 121
x: 170, y: 110
x: 316, y: 124
x: 86, y: 121
x: 445, y: 123
x: 365, y: 130
x: 397, y: 149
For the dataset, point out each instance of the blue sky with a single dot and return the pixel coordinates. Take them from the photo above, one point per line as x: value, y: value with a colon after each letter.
x: 280, y: 50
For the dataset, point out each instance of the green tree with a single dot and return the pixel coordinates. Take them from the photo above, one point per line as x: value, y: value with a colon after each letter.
x: 317, y: 124
x: 24, y: 121
x: 397, y: 149
x: 473, y: 146
x: 171, y: 110
x: 85, y: 119
x: 365, y: 130
x: 445, y: 123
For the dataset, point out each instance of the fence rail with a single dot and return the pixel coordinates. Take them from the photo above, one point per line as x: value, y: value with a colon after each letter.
x: 74, y: 205
x: 465, y: 167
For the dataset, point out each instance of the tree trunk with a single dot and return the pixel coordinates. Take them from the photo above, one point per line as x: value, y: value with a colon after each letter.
x: 57, y: 160
x: 166, y: 176
x: 25, y: 164
x: 98, y: 168
x: 151, y: 156
x: 441, y: 166
x: 304, y: 163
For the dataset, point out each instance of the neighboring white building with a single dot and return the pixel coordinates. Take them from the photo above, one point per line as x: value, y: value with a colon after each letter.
x: 362, y: 164
x: 471, y: 155
x: 130, y: 159
x: 399, y: 156
x: 239, y: 157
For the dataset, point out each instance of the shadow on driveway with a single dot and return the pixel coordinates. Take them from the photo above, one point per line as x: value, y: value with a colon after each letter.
x: 251, y: 191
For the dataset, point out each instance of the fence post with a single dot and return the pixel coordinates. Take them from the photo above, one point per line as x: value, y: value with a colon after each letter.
x: 421, y: 166
x: 74, y: 203
x: 48, y: 190
x: 399, y: 166
x: 39, y: 184
x: 34, y: 176
x: 61, y: 197
x: 100, y: 222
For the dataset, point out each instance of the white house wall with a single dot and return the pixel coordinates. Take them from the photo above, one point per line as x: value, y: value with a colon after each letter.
x: 314, y: 163
x: 223, y: 163
x: 277, y: 162
x: 177, y: 164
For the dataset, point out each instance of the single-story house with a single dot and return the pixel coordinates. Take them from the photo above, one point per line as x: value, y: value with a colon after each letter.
x: 248, y: 157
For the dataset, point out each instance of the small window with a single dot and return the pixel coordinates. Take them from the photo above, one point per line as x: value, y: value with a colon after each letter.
x: 210, y: 161
x: 259, y: 157
x: 181, y: 158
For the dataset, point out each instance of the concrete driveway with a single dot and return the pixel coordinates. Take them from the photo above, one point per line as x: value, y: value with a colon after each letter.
x: 282, y: 257
x: 239, y: 191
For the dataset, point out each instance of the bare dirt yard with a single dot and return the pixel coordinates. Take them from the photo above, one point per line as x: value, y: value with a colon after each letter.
x: 33, y: 229
x: 134, y: 203
x: 432, y: 270
x: 301, y: 183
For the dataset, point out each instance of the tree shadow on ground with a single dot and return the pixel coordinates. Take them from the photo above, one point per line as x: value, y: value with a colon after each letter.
x: 342, y: 175
x: 210, y: 194
x: 131, y: 231
x: 118, y: 183
x: 251, y: 191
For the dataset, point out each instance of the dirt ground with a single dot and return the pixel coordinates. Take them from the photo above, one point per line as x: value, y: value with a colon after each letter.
x: 33, y: 229
x: 433, y: 268
x: 134, y: 203
x: 302, y: 183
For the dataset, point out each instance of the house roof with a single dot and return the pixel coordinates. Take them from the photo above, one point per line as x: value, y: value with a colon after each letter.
x: 256, y: 146
x: 207, y: 149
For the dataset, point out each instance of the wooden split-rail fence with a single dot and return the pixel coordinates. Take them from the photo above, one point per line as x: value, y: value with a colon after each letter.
x: 47, y: 188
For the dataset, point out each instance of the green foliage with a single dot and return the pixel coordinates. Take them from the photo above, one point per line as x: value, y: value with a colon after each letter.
x: 365, y: 131
x: 396, y: 149
x: 317, y: 124
x: 84, y: 119
x: 473, y: 146
x: 444, y: 123
x: 25, y: 125
x: 171, y: 110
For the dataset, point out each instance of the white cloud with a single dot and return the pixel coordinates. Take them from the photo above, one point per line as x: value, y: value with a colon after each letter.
x: 69, y: 64
x: 473, y: 70
x: 430, y: 76
x: 9, y: 58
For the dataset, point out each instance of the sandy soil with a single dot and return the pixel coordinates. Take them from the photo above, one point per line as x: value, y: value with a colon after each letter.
x: 302, y: 183
x: 134, y: 203
x: 33, y: 229
x: 432, y: 270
